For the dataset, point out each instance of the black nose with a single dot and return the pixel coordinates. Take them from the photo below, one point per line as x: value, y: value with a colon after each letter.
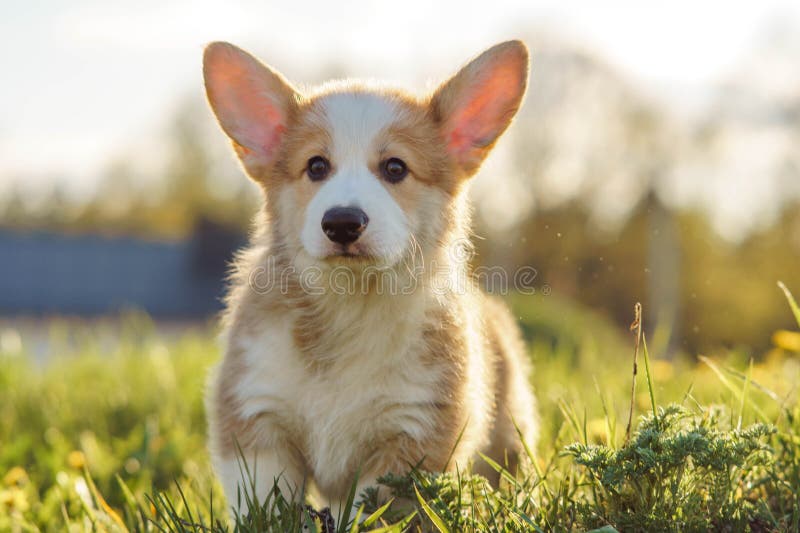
x: 344, y: 224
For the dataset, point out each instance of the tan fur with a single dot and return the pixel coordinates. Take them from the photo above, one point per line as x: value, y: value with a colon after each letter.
x: 464, y: 344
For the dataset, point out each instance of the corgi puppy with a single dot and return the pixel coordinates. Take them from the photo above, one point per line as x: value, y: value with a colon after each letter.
x: 355, y: 341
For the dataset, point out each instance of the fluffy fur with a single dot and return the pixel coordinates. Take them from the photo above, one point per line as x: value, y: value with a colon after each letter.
x: 379, y: 354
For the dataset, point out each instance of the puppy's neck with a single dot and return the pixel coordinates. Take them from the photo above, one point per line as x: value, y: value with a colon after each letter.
x: 350, y: 314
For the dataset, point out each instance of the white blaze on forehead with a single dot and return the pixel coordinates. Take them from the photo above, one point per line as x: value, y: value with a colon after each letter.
x: 355, y: 122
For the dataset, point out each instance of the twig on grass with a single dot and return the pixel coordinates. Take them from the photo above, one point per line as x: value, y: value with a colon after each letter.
x: 637, y: 327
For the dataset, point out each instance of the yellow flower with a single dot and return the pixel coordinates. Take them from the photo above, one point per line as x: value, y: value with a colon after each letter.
x: 643, y: 402
x: 15, y: 476
x: 76, y: 459
x: 15, y: 499
x: 788, y: 340
x: 662, y: 370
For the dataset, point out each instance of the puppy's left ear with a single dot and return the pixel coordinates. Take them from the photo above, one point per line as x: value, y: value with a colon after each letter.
x: 475, y: 106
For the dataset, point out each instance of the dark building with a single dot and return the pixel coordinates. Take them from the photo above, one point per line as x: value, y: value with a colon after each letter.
x: 45, y: 273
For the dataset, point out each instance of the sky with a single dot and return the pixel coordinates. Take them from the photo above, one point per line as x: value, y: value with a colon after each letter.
x: 84, y: 81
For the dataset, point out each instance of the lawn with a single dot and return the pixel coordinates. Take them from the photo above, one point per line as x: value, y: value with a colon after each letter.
x: 107, y: 433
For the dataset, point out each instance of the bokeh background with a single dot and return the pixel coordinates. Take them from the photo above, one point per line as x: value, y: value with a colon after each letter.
x: 657, y: 158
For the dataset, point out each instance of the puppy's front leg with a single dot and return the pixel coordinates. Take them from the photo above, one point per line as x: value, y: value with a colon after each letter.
x: 253, y: 476
x: 396, y: 455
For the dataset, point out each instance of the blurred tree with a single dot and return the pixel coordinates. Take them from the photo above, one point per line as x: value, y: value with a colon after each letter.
x: 184, y: 194
x: 15, y: 212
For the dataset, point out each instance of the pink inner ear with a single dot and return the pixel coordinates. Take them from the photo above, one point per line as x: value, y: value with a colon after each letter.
x: 484, y: 113
x: 267, y: 132
x: 246, y: 100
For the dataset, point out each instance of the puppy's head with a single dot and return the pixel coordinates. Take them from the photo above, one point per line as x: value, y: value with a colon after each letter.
x: 356, y: 173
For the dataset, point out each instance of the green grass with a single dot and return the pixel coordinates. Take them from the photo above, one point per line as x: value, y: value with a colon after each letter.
x: 110, y: 436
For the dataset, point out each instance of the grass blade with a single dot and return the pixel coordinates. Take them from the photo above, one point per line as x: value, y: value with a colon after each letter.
x: 498, y: 468
x: 728, y: 385
x: 344, y: 517
x: 398, y: 527
x: 371, y: 519
x: 648, y: 375
x: 435, y: 518
x: 792, y: 301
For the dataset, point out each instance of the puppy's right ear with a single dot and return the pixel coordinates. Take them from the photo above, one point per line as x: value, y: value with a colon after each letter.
x: 251, y: 101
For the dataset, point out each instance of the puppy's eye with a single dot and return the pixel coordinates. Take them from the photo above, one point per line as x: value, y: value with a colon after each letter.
x: 318, y: 168
x: 394, y: 170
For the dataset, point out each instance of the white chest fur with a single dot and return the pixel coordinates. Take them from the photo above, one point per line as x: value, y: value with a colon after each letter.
x: 375, y: 385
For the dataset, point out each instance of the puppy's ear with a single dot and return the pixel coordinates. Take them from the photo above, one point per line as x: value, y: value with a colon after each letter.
x: 251, y: 101
x: 475, y: 106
